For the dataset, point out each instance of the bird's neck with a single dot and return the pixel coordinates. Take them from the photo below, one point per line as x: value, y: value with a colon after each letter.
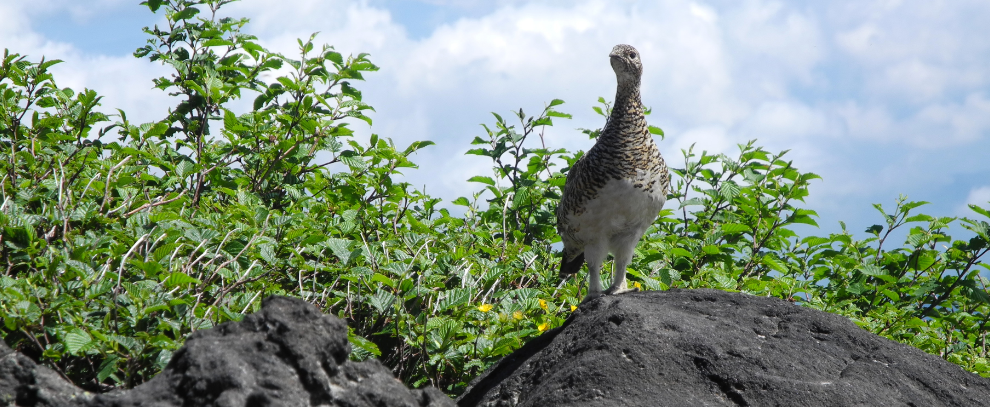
x: 627, y: 116
x: 627, y: 100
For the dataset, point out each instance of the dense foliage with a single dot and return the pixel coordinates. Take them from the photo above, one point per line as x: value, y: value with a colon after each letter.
x: 119, y: 239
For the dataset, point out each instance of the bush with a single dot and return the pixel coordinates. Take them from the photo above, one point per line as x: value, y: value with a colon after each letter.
x: 121, y: 239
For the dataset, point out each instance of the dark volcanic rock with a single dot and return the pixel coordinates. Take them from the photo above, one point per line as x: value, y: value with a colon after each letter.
x: 712, y: 348
x: 25, y: 383
x: 287, y: 354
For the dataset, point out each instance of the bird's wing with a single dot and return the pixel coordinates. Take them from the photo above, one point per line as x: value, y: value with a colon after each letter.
x: 570, y: 202
x: 573, y: 253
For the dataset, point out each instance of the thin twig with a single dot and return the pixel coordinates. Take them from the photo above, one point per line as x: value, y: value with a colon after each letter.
x: 106, y: 191
x: 154, y: 204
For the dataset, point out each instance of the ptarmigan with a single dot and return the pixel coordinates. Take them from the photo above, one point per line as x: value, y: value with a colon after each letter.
x: 615, y: 192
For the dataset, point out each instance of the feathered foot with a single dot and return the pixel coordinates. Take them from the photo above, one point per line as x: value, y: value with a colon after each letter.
x: 617, y: 290
x: 591, y: 296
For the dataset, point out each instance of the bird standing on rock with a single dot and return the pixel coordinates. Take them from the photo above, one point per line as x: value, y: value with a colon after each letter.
x: 615, y: 192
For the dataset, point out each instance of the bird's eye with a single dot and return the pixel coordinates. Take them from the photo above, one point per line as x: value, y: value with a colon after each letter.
x: 632, y: 55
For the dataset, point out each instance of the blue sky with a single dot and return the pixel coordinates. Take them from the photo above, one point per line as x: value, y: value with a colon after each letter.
x: 879, y: 97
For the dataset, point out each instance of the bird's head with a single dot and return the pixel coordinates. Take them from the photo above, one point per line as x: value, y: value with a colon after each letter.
x: 626, y: 63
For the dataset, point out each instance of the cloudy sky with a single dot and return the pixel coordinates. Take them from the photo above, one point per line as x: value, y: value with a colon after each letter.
x: 879, y: 97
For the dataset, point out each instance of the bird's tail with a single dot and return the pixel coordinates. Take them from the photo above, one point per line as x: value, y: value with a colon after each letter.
x: 572, y: 266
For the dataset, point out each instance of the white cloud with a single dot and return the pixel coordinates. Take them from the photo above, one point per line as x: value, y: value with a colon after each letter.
x: 864, y: 123
x: 785, y: 119
x: 915, y: 79
x: 955, y: 123
x: 934, y: 126
x: 123, y: 81
x: 913, y: 50
x: 977, y: 196
x: 16, y: 33
x: 80, y: 11
x: 858, y: 41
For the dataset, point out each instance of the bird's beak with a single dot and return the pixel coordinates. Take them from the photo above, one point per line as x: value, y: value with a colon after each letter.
x: 613, y: 55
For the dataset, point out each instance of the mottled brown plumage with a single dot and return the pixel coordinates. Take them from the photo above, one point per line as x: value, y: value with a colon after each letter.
x: 613, y: 193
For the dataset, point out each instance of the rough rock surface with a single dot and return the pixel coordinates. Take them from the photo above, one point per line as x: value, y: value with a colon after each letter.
x: 712, y: 348
x: 287, y: 354
x: 25, y: 383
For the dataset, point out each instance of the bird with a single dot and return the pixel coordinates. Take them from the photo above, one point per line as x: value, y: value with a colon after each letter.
x: 613, y: 193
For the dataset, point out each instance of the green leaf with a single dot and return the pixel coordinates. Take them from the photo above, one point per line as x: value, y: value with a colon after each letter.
x: 381, y: 300
x: 735, y: 228
x: 911, y: 205
x: 729, y: 190
x: 692, y: 201
x: 340, y: 248
x: 805, y: 219
x: 724, y: 281
x: 813, y: 241
x: 76, y: 340
x: 918, y: 238
x: 977, y: 294
x: 215, y: 42
x: 656, y: 130
x: 872, y: 270
x: 462, y: 201
x: 483, y: 180
x: 711, y: 249
x: 416, y: 146
x: 382, y: 279
x: 979, y: 210
x: 453, y: 298
x: 153, y: 5
x: 916, y: 322
x: 186, y: 13
x: 479, y: 151
x: 668, y: 276
x: 184, y: 168
x: 108, y: 367
x: 334, y: 57
x: 926, y: 260
x: 355, y: 163
x: 772, y: 263
x: 176, y: 279
x: 360, y: 342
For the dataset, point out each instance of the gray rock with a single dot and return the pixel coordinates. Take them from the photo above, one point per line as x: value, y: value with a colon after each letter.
x: 287, y: 354
x: 712, y: 348
x: 25, y: 383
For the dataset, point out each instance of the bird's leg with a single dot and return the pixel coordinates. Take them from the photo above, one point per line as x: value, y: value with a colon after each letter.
x: 622, y: 259
x: 594, y: 283
x: 619, y: 280
x: 595, y: 257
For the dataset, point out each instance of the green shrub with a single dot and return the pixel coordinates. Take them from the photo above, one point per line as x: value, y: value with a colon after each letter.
x: 120, y: 239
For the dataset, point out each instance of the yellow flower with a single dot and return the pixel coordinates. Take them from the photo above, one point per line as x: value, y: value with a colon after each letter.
x: 543, y: 326
x: 517, y: 315
x: 485, y: 307
x: 543, y: 304
x: 638, y: 285
x: 573, y: 308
